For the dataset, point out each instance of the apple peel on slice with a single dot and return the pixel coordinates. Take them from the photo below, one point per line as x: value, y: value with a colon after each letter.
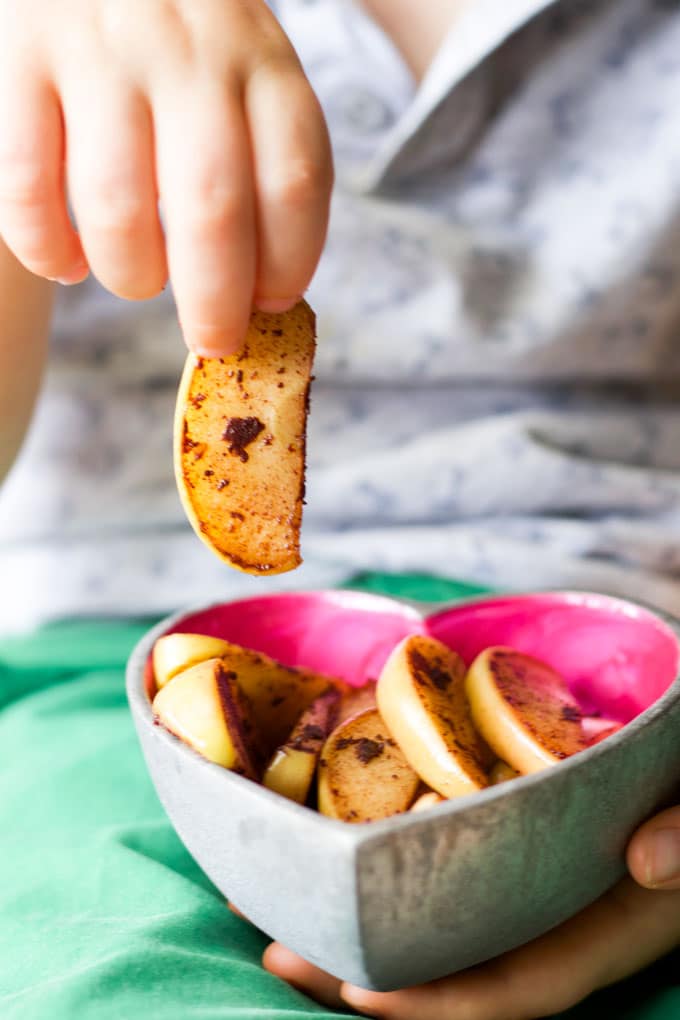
x: 239, y: 442
x: 291, y: 770
x: 357, y: 700
x: 523, y: 709
x: 205, y: 707
x: 363, y: 774
x: 421, y: 697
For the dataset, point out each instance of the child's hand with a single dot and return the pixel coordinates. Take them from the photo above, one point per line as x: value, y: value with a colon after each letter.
x: 624, y: 931
x: 201, y: 103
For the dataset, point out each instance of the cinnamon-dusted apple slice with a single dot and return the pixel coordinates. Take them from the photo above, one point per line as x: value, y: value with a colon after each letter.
x: 173, y: 653
x: 421, y: 697
x: 292, y: 768
x: 278, y: 694
x: 523, y: 709
x: 595, y: 728
x: 502, y: 773
x: 205, y: 708
x: 427, y: 800
x: 363, y: 774
x: 240, y: 429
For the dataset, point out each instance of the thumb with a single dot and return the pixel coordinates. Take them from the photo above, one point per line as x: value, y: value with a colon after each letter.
x: 654, y: 852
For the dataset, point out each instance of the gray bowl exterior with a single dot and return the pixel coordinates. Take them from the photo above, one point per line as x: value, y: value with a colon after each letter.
x: 407, y: 900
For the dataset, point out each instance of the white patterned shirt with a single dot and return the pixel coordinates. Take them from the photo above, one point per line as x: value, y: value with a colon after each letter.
x: 498, y: 372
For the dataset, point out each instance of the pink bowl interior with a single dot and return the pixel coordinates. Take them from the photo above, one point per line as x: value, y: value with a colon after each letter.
x: 341, y: 633
x: 616, y: 657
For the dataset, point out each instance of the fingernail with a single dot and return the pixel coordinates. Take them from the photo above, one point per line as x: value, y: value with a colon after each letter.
x: 208, y: 342
x: 276, y: 304
x: 210, y: 352
x: 76, y: 275
x: 663, y: 857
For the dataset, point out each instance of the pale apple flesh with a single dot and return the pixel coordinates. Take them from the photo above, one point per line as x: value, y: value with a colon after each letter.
x: 523, y: 709
x: 596, y: 729
x: 363, y: 774
x: 206, y: 709
x: 502, y: 773
x: 291, y: 770
x: 421, y: 697
x: 427, y: 800
x: 173, y: 653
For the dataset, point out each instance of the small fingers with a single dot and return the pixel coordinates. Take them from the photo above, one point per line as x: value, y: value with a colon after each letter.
x: 113, y: 188
x: 302, y: 975
x: 538, y: 979
x: 238, y: 913
x: 654, y: 852
x: 293, y: 180
x: 34, y: 220
x: 205, y: 177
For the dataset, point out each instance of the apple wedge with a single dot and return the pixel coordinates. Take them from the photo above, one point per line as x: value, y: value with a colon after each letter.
x: 278, y: 695
x: 363, y: 774
x: 358, y: 699
x: 502, y: 773
x: 240, y: 434
x: 291, y: 770
x: 427, y: 800
x: 596, y: 729
x: 523, y: 709
x: 173, y: 653
x: 421, y: 697
x: 205, y: 707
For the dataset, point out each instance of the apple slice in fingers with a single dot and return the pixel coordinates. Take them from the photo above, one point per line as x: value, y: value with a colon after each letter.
x: 363, y: 774
x: 427, y: 800
x: 240, y: 428
x: 292, y: 768
x: 502, y: 773
x: 421, y: 697
x: 523, y: 709
x: 173, y: 653
x: 206, y: 709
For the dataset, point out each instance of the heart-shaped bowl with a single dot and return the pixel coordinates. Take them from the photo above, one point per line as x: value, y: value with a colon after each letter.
x: 396, y: 902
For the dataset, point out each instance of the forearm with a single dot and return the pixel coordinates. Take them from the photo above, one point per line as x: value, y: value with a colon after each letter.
x: 25, y: 309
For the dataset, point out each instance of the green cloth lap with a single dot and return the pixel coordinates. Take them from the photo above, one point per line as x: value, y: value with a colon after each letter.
x: 103, y: 913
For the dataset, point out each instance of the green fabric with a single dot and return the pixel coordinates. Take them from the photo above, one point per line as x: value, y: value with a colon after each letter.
x: 103, y: 914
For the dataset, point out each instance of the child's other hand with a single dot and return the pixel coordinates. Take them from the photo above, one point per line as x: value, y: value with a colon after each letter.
x: 201, y: 103
x: 624, y: 931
